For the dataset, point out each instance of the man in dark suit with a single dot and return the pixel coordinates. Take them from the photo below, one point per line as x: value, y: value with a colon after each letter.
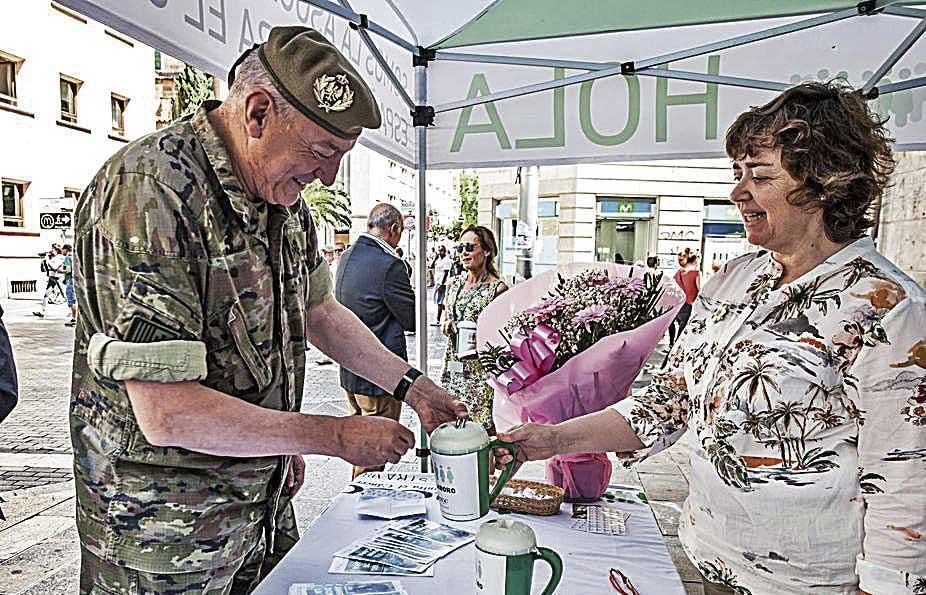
x: 372, y: 282
x: 8, y: 386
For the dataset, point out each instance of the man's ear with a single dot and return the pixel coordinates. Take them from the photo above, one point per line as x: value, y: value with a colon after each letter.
x: 257, y: 106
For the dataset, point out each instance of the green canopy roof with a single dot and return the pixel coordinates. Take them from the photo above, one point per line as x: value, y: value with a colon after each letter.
x: 520, y: 20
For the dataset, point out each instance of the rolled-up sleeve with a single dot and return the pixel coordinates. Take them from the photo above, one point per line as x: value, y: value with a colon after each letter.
x: 891, y: 385
x: 143, y: 269
x: 320, y: 286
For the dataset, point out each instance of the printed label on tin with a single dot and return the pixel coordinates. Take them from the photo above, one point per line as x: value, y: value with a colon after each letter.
x: 457, y: 485
x: 490, y: 573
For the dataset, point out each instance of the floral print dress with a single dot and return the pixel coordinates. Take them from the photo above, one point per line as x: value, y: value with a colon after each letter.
x: 465, y: 379
x: 808, y: 408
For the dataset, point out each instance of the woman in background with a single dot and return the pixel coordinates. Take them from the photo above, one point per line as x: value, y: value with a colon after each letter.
x: 467, y: 296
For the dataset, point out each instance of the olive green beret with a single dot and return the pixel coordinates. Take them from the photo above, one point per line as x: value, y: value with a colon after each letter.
x: 318, y: 81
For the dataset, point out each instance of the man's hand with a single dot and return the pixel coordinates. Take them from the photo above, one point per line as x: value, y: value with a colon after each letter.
x: 372, y: 441
x: 433, y: 404
x: 296, y: 474
x: 536, y: 442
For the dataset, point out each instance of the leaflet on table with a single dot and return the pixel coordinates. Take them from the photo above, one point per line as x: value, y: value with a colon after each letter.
x: 389, y: 503
x: 359, y: 588
x: 345, y: 566
x: 421, y: 482
x: 411, y: 545
x: 599, y: 518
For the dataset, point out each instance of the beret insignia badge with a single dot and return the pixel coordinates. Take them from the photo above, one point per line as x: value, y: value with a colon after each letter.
x: 333, y: 93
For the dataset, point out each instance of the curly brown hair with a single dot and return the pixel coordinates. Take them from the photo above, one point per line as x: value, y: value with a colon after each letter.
x: 831, y: 143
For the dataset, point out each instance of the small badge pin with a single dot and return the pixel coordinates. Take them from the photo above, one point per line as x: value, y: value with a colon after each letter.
x: 333, y: 92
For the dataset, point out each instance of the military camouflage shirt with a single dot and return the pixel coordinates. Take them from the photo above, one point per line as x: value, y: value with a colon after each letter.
x: 180, y: 276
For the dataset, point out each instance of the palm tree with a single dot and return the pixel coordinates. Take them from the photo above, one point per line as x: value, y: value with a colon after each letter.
x: 328, y: 205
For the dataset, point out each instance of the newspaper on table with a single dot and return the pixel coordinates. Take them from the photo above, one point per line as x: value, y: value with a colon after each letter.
x: 410, y: 545
x: 345, y: 566
x: 358, y: 588
x: 417, y: 482
x: 386, y: 503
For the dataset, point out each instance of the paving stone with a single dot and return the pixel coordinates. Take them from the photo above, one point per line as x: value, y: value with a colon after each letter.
x: 30, y: 532
x: 686, y: 570
x: 694, y: 588
x: 671, y: 488
x: 65, y: 580
x: 667, y: 515
x: 21, y: 505
x: 32, y: 565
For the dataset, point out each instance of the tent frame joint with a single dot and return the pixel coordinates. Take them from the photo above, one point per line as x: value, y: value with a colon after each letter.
x: 363, y: 22
x: 423, y: 115
x: 628, y: 68
x: 423, y: 55
x: 867, y: 7
x: 871, y: 94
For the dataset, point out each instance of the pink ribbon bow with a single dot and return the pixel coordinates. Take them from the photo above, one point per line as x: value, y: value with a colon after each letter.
x: 536, y: 353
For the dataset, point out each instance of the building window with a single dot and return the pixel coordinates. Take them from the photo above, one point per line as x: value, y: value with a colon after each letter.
x: 157, y: 59
x: 72, y: 193
x: 9, y: 67
x: 118, y: 103
x: 13, y: 203
x: 69, y: 88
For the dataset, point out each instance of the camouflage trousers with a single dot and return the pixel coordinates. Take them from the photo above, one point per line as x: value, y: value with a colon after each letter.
x: 99, y: 577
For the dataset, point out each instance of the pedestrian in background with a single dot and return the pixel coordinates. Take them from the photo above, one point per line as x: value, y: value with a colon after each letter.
x: 9, y: 387
x: 689, y: 279
x: 467, y: 296
x: 442, y: 267
x: 52, y: 266
x: 373, y: 283
x: 67, y: 268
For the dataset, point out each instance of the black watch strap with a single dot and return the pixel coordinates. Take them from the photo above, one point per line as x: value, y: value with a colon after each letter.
x: 406, y: 383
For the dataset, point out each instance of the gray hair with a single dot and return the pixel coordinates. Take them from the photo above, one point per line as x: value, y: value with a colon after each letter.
x: 251, y: 73
x: 384, y: 216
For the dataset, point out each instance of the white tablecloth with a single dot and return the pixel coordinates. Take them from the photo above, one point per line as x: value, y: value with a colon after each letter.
x: 641, y: 554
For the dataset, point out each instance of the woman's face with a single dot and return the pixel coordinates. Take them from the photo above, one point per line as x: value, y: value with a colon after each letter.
x: 761, y: 191
x: 475, y: 260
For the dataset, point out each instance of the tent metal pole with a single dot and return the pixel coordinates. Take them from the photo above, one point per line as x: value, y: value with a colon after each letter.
x: 358, y: 19
x: 371, y: 45
x: 521, y: 61
x: 714, y: 78
x: 902, y: 85
x: 905, y: 11
x: 895, y: 56
x: 421, y: 94
x: 528, y: 89
x: 747, y: 38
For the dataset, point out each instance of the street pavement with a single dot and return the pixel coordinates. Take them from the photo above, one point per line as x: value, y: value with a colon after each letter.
x: 39, y: 551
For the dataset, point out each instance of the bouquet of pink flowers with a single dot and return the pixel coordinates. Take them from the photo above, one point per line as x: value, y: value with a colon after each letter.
x: 570, y: 342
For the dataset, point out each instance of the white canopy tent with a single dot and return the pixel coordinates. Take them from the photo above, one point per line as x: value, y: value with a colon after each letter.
x: 483, y: 83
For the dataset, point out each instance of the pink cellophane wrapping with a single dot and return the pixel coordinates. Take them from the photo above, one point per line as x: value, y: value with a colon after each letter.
x: 591, y: 381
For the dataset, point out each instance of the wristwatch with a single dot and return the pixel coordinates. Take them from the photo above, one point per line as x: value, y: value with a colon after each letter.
x: 405, y: 384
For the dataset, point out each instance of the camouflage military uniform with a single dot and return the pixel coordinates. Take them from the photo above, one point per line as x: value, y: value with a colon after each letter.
x: 180, y: 276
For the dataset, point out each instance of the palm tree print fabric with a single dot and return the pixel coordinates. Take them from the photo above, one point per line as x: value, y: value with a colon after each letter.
x: 807, y: 410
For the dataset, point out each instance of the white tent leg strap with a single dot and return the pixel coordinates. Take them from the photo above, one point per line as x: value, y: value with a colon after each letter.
x: 896, y: 55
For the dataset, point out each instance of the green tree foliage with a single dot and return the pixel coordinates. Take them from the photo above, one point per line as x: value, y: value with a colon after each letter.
x: 328, y: 205
x: 468, y: 187
x: 193, y: 87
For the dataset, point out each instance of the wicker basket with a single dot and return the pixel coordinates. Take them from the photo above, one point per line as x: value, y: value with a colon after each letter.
x: 526, y: 505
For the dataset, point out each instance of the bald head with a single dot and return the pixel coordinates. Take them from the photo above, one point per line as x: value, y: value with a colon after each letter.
x: 385, y: 221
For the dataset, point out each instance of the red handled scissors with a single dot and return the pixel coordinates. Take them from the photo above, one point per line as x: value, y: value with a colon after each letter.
x: 621, y: 583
